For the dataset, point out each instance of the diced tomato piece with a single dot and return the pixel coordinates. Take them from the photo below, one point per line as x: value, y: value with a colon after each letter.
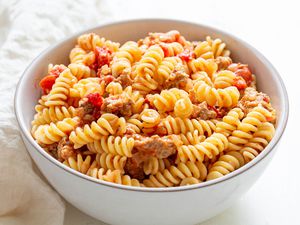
x: 170, y: 36
x: 47, y: 82
x: 241, y: 70
x: 181, y: 40
x: 107, y: 79
x: 165, y: 49
x: 186, y: 55
x: 95, y: 98
x: 266, y: 99
x: 240, y: 83
x: 219, y: 115
x: 56, y: 70
x: 103, y: 57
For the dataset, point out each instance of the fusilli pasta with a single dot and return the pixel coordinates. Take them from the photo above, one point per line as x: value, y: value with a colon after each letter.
x: 159, y: 112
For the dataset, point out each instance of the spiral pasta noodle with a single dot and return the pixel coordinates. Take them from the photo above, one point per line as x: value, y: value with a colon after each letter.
x: 109, y: 161
x: 107, y: 124
x: 213, y: 145
x: 175, y: 174
x: 90, y: 41
x: 113, y: 145
x: 165, y: 69
x: 178, y: 125
x: 166, y: 100
x: 147, y: 68
x: 227, y: 163
x: 204, y: 50
x: 258, y: 142
x: 191, y: 138
x: 114, y: 176
x: 80, y: 164
x: 162, y: 111
x: 49, y: 134
x: 209, y: 66
x: 53, y: 114
x: 224, y: 79
x: 77, y: 55
x: 80, y: 71
x: 230, y: 122
x: 87, y: 86
x: 154, y: 165
x: 61, y: 89
x: 218, y: 47
x: 247, y: 127
x: 125, y: 57
x: 227, y: 97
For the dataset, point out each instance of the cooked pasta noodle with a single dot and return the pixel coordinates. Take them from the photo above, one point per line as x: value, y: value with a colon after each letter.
x: 107, y: 124
x: 204, y: 50
x: 53, y: 114
x: 247, y: 127
x: 177, y: 125
x: 227, y: 97
x: 80, y: 164
x: 154, y: 165
x: 213, y: 145
x: 227, y: 163
x: 159, y: 112
x: 110, y: 161
x: 114, y: 145
x: 258, y: 142
x: 54, y: 132
x: 175, y: 175
x: 218, y: 47
x: 61, y: 89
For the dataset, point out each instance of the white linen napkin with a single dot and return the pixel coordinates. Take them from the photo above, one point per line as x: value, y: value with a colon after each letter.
x: 26, y: 28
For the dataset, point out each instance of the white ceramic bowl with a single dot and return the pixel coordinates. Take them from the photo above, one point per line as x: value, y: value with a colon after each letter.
x: 117, y: 204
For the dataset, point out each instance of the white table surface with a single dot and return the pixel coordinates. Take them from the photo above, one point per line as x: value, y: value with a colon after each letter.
x: 273, y: 27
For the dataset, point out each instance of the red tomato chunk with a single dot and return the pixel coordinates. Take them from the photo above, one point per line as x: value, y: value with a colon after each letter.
x: 95, y: 99
x: 240, y: 83
x: 103, y: 57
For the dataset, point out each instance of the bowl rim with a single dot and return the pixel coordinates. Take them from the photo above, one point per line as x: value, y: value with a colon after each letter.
x: 278, y: 134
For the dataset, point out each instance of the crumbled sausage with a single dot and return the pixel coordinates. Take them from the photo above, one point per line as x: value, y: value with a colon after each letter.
x: 178, y: 79
x: 223, y: 62
x: 203, y: 112
x: 144, y: 147
x: 65, y: 149
x: 134, y: 169
x: 252, y: 98
x: 119, y: 105
x: 160, y: 147
x: 87, y: 112
x: 51, y: 149
x: 242, y: 70
x: 124, y: 79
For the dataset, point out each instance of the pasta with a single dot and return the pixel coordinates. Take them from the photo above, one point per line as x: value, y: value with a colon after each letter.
x: 113, y: 145
x: 175, y: 175
x: 53, y: 114
x: 226, y: 164
x: 107, y: 124
x: 110, y: 161
x: 49, y: 134
x: 80, y: 164
x: 212, y: 146
x: 227, y: 97
x: 125, y: 57
x: 171, y: 125
x: 158, y: 112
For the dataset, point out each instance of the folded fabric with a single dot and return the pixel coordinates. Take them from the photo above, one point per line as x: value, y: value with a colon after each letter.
x: 26, y: 28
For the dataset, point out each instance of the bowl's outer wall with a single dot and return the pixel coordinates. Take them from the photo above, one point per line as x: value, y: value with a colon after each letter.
x: 119, y: 206
x: 125, y: 207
